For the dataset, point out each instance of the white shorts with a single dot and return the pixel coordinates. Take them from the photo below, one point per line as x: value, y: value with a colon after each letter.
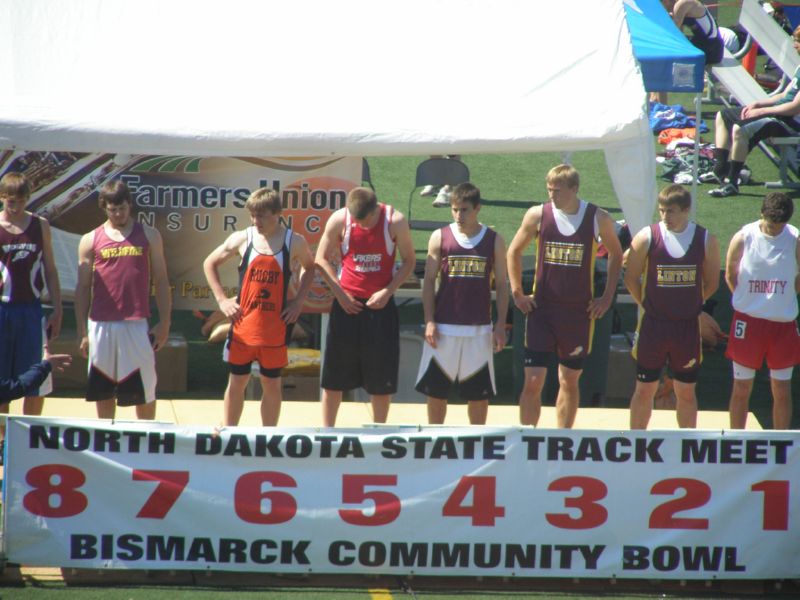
x: 119, y: 348
x: 462, y: 358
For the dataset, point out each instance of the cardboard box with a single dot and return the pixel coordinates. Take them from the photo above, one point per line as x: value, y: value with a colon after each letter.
x: 621, y: 368
x: 171, y: 364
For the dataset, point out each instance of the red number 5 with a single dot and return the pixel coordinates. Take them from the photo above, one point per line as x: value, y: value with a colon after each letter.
x: 387, y: 505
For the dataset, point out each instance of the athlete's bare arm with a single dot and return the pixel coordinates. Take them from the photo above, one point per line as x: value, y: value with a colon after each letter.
x: 501, y: 292
x: 160, y: 279
x: 527, y: 232
x: 51, y: 279
x: 233, y: 246
x: 331, y: 240
x: 401, y: 234
x: 83, y: 290
x: 300, y: 252
x: 711, y: 267
x: 432, y: 265
x: 732, y: 260
x: 634, y: 265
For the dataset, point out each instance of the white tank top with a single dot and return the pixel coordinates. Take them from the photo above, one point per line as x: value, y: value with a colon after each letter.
x: 767, y: 271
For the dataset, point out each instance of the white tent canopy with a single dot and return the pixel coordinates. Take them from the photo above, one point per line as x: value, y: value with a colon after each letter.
x: 314, y: 77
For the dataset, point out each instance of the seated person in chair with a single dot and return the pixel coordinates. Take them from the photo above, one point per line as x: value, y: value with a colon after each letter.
x: 740, y: 129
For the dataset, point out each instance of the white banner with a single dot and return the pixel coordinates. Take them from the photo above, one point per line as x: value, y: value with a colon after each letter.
x: 402, y: 500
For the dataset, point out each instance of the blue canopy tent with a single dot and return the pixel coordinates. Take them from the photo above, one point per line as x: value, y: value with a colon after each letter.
x: 668, y: 60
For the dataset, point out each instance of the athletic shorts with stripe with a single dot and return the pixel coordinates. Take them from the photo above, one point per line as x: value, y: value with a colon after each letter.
x: 20, y: 338
x: 121, y: 362
x: 362, y: 350
x: 753, y: 340
x: 565, y: 330
x: 660, y: 342
x: 466, y: 360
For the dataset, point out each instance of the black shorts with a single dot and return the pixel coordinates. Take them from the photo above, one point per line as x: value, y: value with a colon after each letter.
x: 759, y: 128
x: 362, y: 350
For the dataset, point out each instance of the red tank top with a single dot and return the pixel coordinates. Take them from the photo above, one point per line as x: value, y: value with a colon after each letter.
x: 121, y: 279
x: 263, y: 283
x: 673, y: 288
x: 465, y: 296
x: 367, y: 255
x: 21, y: 276
x: 565, y: 263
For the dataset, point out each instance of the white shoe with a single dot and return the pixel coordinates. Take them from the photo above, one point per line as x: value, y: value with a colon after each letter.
x: 443, y: 197
x: 428, y: 190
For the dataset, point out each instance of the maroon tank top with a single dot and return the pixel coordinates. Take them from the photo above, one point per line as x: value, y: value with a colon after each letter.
x: 21, y: 275
x: 121, y: 278
x: 565, y: 263
x: 464, y: 296
x: 673, y: 288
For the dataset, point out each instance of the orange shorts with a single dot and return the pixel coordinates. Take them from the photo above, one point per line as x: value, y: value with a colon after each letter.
x: 241, y: 355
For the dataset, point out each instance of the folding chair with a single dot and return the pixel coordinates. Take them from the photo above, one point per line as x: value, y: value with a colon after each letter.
x: 436, y: 172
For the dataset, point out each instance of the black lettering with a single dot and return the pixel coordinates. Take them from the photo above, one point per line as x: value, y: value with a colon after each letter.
x: 130, y: 548
x: 393, y: 447
x: 295, y: 552
x: 335, y: 553
x: 47, y: 438
x: 635, y: 558
x: 232, y: 550
x: 445, y: 555
x: 299, y: 446
x: 493, y: 446
x: 207, y: 443
x: 258, y: 552
x: 408, y: 555
x: 82, y: 546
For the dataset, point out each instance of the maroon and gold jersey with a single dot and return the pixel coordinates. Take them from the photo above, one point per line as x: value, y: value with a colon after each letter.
x: 673, y: 287
x: 565, y: 263
x: 464, y: 296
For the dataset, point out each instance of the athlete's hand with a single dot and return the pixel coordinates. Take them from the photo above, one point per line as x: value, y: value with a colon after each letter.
x: 159, y: 335
x: 292, y: 311
x: 379, y: 299
x: 83, y: 346
x: 525, y: 303
x: 431, y: 333
x: 349, y: 304
x: 231, y: 309
x: 499, y: 337
x: 57, y: 361
x: 54, y: 324
x: 598, y: 307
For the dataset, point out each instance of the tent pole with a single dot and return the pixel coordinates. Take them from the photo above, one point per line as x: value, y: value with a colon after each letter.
x: 698, y: 115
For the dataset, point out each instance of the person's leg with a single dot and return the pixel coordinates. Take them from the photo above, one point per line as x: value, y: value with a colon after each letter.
x: 146, y: 411
x: 106, y: 409
x: 686, y: 409
x: 331, y: 399
x: 271, y: 398
x: 437, y: 410
x: 530, y: 399
x: 233, y: 402
x: 568, y: 396
x: 478, y: 411
x: 33, y: 405
x: 781, y: 403
x: 380, y: 407
x: 722, y: 137
x: 642, y: 403
x: 740, y: 401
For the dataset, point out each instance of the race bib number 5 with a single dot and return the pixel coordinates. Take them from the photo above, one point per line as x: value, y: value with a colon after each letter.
x: 739, y: 328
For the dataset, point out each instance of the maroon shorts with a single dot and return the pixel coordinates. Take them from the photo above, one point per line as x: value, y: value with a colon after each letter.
x: 677, y: 343
x: 752, y: 340
x: 565, y: 330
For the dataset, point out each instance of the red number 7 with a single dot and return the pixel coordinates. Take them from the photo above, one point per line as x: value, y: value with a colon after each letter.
x: 170, y: 485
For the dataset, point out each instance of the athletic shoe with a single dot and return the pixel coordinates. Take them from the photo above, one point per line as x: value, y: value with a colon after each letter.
x: 443, y: 197
x: 725, y: 191
x: 745, y: 176
x: 428, y: 190
x: 710, y: 177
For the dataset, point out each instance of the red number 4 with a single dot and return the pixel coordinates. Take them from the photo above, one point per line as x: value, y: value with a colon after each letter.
x: 484, y: 510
